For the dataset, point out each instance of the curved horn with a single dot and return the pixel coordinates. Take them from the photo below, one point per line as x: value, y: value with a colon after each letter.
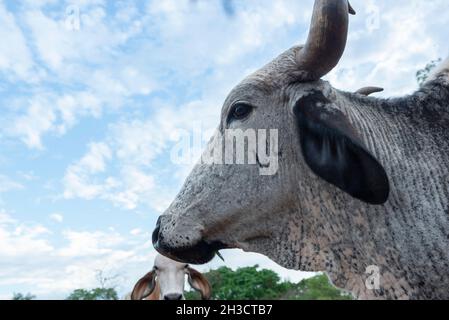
x: 366, y: 91
x: 327, y: 38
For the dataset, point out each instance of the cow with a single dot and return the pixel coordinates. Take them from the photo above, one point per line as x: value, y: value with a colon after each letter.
x: 362, y: 186
x: 166, y: 281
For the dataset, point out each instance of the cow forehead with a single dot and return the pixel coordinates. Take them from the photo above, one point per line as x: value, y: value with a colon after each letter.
x: 279, y: 72
x: 164, y: 262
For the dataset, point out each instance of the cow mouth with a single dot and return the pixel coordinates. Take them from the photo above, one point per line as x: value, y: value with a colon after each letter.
x: 200, y: 253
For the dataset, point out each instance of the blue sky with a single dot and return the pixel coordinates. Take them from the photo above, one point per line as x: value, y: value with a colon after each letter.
x: 94, y: 94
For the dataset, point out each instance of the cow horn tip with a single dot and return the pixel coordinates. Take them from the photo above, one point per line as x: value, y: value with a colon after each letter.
x: 351, y: 10
x: 220, y: 256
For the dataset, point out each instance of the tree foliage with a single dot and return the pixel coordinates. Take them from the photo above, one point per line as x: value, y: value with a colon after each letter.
x: 249, y: 283
x: 318, y: 288
x: 20, y: 296
x: 105, y: 291
x: 423, y: 74
x: 94, y: 294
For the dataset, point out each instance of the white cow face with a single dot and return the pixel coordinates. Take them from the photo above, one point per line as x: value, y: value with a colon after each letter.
x: 166, y: 281
x: 171, y: 277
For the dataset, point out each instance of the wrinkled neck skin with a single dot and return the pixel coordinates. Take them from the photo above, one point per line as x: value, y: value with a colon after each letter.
x: 408, y: 237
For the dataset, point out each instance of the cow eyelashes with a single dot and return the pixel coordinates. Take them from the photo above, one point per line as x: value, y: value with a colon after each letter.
x: 239, y: 111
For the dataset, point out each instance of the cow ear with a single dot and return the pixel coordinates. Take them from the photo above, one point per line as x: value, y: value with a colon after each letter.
x: 199, y: 282
x: 144, y: 287
x: 333, y: 150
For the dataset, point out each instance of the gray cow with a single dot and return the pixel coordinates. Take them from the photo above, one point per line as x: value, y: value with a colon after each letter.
x: 362, y: 184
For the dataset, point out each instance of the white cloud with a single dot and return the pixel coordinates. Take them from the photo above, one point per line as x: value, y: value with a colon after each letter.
x: 133, y: 146
x: 28, y: 259
x: 72, y: 106
x: 38, y: 118
x: 95, y: 160
x: 127, y: 190
x: 139, y: 142
x: 15, y: 56
x: 59, y: 46
x: 77, y: 175
x: 120, y: 83
x: 5, y: 218
x: 197, y: 36
x: 57, y: 217
x: 6, y: 184
x: 390, y: 54
x: 63, y: 59
x: 89, y: 243
x: 38, y: 3
x: 136, y: 185
x: 135, y: 231
x: 28, y: 176
x: 46, y: 113
x: 22, y: 240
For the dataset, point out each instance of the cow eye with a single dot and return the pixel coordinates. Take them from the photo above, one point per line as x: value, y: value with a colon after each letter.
x: 239, y: 111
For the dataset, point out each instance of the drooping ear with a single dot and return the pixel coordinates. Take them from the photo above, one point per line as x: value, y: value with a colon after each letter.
x: 199, y: 282
x: 333, y: 150
x: 144, y: 287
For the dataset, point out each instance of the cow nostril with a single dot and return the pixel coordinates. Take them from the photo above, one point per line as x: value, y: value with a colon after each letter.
x: 158, y: 223
x: 155, y: 235
x: 173, y: 296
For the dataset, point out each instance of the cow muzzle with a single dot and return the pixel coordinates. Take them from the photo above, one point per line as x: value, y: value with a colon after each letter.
x: 173, y: 296
x: 199, y: 252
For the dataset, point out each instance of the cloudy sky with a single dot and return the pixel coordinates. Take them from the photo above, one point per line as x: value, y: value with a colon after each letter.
x: 94, y: 94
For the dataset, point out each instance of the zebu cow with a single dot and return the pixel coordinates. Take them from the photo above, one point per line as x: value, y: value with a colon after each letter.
x: 166, y: 281
x: 362, y: 184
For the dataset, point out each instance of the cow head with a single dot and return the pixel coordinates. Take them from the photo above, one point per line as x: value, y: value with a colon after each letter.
x: 166, y: 281
x: 320, y: 154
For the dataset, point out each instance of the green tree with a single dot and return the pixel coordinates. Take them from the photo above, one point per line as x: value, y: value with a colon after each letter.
x: 20, y: 296
x: 252, y: 284
x: 423, y: 74
x: 317, y: 288
x: 94, y: 294
x: 105, y: 291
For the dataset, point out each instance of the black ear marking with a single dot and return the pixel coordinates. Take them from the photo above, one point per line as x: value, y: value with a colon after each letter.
x: 333, y: 151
